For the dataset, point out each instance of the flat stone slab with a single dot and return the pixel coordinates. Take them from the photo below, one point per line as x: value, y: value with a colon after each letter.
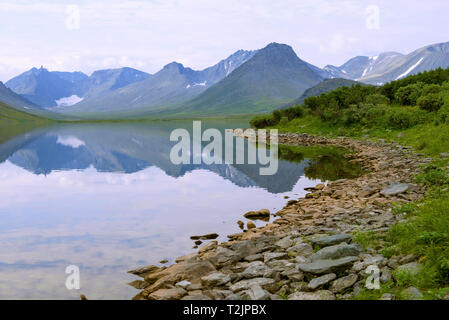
x: 317, y: 295
x: 321, y: 281
x: 331, y: 240
x: 337, y: 251
x: 326, y: 266
x: 394, y: 189
x: 215, y: 279
x: 247, y: 284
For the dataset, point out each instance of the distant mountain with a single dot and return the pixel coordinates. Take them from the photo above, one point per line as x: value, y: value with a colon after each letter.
x: 273, y: 75
x: 323, y: 87
x: 9, y: 97
x: 42, y: 87
x: 171, y: 86
x: 424, y: 59
x: 390, y: 66
x: 50, y: 89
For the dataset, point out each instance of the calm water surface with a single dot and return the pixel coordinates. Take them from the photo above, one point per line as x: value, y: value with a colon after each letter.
x: 106, y: 197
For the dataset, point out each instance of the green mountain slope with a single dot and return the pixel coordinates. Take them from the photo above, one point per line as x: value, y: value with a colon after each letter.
x: 14, y: 122
x: 272, y: 76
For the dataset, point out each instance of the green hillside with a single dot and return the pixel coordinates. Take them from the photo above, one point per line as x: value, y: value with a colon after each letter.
x: 14, y: 122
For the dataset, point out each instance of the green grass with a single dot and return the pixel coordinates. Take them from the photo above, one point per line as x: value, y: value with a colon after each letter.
x: 14, y: 122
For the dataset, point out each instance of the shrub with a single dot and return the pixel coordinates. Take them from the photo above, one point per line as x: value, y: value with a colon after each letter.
x: 377, y: 99
x: 408, y: 95
x: 443, y: 113
x: 399, y: 118
x: 261, y: 121
x: 430, y: 102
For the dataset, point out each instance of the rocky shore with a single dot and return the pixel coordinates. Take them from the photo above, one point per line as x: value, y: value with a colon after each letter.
x: 307, y: 252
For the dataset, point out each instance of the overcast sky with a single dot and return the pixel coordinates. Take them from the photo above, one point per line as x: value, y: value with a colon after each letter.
x: 95, y: 34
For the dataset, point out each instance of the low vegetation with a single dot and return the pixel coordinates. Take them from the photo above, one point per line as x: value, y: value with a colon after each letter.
x: 412, y: 111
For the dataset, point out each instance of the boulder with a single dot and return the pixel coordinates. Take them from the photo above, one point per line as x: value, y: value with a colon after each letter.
x: 327, y: 266
x: 341, y: 284
x: 247, y: 284
x: 395, y: 189
x: 412, y: 293
x: 168, y: 294
x: 331, y: 240
x: 215, y: 279
x: 317, y: 295
x: 196, y: 297
x: 337, y: 251
x: 301, y: 249
x: 412, y: 268
x: 255, y: 269
x: 257, y: 293
x: 321, y: 281
x: 183, y: 284
x: 274, y: 256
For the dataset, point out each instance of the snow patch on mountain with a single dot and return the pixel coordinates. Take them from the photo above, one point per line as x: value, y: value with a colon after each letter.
x: 68, y: 101
x: 410, y: 69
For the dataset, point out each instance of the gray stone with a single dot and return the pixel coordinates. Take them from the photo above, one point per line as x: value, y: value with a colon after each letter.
x: 301, y: 249
x: 412, y: 268
x: 196, y: 297
x: 285, y: 242
x: 412, y: 293
x: 337, y: 251
x: 377, y: 260
x: 387, y: 296
x: 327, y: 266
x: 331, y: 240
x: 293, y: 274
x: 274, y: 256
x: 215, y: 279
x: 385, y: 275
x: 444, y: 155
x: 254, y: 257
x: 321, y: 281
x: 255, y: 269
x: 395, y: 189
x: 183, y: 284
x: 167, y: 294
x: 317, y: 295
x: 246, y: 284
x: 257, y: 293
x: 280, y: 265
x: 341, y: 284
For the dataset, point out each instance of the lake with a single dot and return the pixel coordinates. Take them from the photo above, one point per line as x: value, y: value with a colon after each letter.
x: 106, y: 198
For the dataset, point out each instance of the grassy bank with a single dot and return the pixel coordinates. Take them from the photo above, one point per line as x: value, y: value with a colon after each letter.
x: 14, y: 122
x: 414, y: 112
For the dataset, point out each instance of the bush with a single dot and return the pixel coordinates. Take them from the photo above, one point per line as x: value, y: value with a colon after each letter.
x: 261, y: 121
x: 377, y: 99
x: 399, y: 118
x: 443, y: 113
x: 409, y: 95
x: 431, y: 102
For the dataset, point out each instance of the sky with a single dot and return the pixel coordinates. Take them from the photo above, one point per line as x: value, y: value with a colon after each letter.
x: 89, y: 35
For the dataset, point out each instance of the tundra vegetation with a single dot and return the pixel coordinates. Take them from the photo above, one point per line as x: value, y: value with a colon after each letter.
x: 413, y: 111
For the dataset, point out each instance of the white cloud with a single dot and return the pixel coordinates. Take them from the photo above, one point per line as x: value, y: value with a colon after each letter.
x: 198, y: 33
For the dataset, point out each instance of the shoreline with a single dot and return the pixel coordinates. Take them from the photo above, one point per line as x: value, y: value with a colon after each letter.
x: 308, y: 252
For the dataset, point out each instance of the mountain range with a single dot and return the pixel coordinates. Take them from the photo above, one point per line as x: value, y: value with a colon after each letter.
x: 246, y: 82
